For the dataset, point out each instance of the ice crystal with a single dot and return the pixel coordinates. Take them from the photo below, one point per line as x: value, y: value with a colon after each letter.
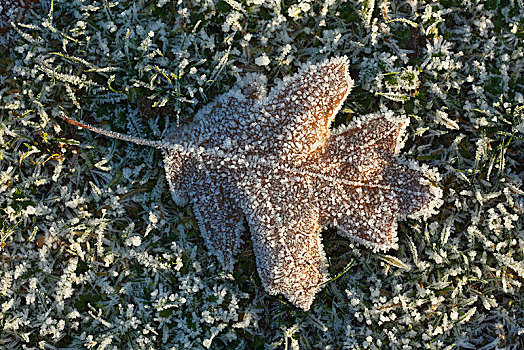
x: 273, y: 160
x: 13, y: 10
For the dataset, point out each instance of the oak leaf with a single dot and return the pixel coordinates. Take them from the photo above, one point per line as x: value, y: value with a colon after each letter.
x: 271, y: 159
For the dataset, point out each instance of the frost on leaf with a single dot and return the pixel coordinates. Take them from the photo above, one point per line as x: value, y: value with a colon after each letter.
x: 271, y: 158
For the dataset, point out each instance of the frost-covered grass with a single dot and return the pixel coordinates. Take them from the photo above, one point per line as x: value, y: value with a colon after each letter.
x: 94, y: 253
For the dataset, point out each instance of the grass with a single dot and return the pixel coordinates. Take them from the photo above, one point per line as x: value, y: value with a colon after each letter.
x: 96, y: 255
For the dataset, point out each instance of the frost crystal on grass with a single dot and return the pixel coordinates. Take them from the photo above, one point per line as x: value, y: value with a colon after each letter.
x: 85, y: 58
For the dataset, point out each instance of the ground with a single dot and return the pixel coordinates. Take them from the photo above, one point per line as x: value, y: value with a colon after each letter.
x: 95, y: 254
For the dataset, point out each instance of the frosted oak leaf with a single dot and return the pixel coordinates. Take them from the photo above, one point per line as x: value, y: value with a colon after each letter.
x: 271, y: 159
